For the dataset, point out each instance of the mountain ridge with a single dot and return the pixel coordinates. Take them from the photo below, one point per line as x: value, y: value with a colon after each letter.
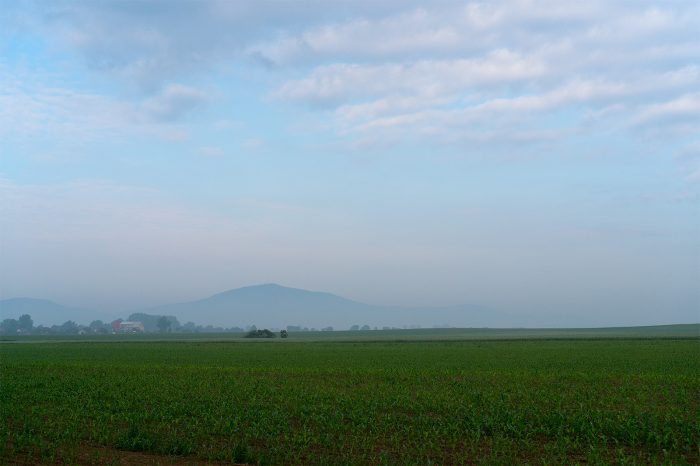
x: 274, y: 305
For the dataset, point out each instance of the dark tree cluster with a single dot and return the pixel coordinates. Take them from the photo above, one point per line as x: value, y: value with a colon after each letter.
x: 264, y: 333
x: 191, y: 327
x: 25, y: 326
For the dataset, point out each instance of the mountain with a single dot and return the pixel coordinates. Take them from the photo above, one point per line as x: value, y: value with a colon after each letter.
x: 273, y: 305
x: 45, y: 312
x: 264, y: 305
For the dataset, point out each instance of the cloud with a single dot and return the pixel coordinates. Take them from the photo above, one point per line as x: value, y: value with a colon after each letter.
x: 453, y: 70
x: 38, y: 105
x: 144, y: 44
x: 683, y: 109
x: 440, y: 71
x: 60, y: 112
x: 210, y: 151
x: 416, y: 31
x: 574, y: 92
x: 446, y: 29
x: 173, y: 102
x: 432, y: 78
x: 148, y: 43
x: 500, y: 117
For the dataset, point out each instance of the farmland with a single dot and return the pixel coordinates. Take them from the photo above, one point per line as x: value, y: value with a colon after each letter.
x: 455, y: 401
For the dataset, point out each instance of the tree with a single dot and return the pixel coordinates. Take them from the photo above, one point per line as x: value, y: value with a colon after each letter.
x: 9, y: 326
x: 284, y: 334
x: 150, y: 321
x: 26, y: 324
x: 365, y: 327
x: 265, y: 333
x: 164, y: 324
x: 189, y: 327
x: 97, y: 326
x: 68, y: 327
x: 355, y: 327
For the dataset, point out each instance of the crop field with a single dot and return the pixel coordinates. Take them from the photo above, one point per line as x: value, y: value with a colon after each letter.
x: 603, y: 401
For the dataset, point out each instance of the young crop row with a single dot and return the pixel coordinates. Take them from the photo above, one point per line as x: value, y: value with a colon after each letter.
x: 345, y: 403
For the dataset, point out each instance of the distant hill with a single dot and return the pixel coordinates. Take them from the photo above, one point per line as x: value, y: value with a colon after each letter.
x: 277, y: 306
x: 269, y: 305
x: 273, y: 305
x: 45, y: 312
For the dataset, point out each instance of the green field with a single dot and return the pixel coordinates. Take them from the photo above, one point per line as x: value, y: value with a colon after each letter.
x: 426, y: 334
x: 553, y: 401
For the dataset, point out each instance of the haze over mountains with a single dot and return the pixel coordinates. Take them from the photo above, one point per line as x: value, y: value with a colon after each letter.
x: 46, y: 312
x: 277, y: 306
x: 273, y: 305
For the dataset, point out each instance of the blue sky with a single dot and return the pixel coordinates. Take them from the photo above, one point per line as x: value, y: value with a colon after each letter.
x: 534, y: 156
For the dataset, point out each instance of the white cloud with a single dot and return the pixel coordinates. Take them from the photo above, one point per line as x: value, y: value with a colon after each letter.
x: 685, y: 108
x: 427, y: 68
x: 146, y: 44
x: 445, y: 29
x: 416, y: 31
x: 60, y: 112
x: 452, y: 70
x: 502, y: 114
x: 173, y: 102
x: 431, y: 78
x: 35, y: 105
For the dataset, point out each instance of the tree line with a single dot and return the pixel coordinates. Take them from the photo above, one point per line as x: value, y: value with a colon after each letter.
x: 151, y: 323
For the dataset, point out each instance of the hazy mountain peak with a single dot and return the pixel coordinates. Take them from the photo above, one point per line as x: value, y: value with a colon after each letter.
x: 270, y: 290
x: 262, y: 288
x: 275, y: 305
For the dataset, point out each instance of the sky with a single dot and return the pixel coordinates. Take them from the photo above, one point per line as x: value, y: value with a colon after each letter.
x: 535, y: 156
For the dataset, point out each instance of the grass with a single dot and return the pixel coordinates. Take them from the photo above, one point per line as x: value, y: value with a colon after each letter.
x: 427, y: 334
x: 303, y: 402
